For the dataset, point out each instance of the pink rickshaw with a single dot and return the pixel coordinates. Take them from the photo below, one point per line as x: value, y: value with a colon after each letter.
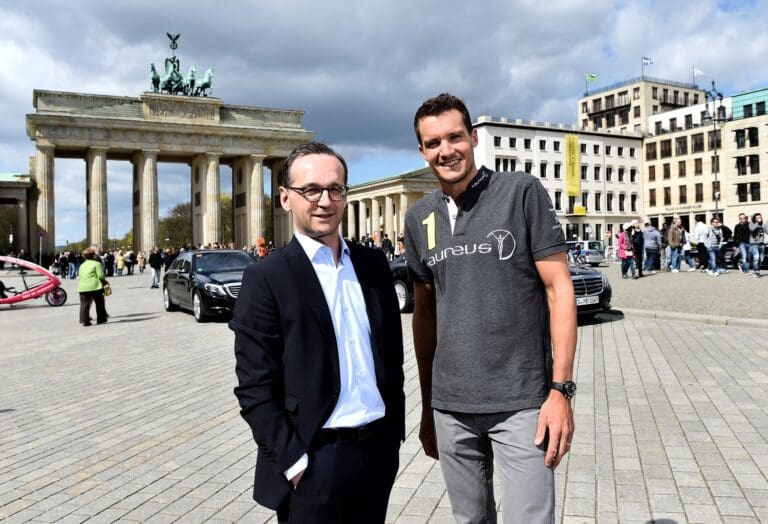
x: 40, y: 283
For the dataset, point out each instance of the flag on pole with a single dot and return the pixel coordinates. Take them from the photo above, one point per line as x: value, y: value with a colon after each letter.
x: 590, y: 77
x: 697, y: 72
x: 647, y: 61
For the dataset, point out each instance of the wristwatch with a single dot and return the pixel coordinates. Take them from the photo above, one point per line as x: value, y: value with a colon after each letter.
x: 567, y: 388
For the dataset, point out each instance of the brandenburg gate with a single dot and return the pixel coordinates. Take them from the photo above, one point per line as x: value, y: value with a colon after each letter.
x: 199, y: 131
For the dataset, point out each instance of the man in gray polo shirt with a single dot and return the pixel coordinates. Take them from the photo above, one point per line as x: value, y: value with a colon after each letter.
x: 494, y: 325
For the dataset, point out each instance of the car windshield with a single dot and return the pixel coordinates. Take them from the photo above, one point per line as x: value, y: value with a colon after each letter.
x: 219, y: 262
x: 597, y: 246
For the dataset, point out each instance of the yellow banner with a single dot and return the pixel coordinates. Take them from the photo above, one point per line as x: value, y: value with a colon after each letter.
x: 572, y: 166
x: 580, y: 211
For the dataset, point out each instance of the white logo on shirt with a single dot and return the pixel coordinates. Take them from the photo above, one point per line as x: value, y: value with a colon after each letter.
x: 505, y: 243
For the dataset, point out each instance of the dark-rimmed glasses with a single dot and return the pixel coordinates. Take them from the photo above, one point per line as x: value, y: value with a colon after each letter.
x: 315, y: 193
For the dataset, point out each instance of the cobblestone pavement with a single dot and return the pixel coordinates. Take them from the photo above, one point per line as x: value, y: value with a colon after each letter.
x: 731, y: 294
x: 135, y: 420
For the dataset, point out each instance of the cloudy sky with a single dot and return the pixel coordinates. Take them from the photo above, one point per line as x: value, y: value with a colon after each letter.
x: 358, y: 69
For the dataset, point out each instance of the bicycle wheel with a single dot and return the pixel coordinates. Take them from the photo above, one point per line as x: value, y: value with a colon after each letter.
x: 56, y: 297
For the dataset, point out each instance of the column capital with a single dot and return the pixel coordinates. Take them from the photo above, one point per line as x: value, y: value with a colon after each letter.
x: 98, y: 149
x: 212, y: 156
x: 257, y: 157
x: 44, y: 148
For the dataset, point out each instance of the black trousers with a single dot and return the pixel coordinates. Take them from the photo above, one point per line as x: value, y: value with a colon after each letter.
x: 639, y: 260
x: 703, y: 255
x: 85, y: 306
x: 346, y: 482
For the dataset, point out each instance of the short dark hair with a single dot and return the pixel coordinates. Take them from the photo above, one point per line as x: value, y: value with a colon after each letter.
x: 310, y: 148
x: 438, y: 105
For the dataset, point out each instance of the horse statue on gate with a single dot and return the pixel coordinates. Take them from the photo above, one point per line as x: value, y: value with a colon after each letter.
x: 206, y: 84
x: 172, y: 83
x: 154, y: 78
x: 189, y: 82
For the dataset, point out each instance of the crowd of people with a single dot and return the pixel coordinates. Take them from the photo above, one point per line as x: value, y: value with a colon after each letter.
x: 647, y: 249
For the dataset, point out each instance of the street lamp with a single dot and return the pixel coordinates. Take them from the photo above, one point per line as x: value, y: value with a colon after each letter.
x: 713, y: 95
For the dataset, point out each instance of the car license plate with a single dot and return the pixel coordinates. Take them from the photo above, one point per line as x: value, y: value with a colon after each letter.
x: 583, y: 301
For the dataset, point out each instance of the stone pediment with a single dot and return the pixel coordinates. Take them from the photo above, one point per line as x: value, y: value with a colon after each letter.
x: 181, y: 109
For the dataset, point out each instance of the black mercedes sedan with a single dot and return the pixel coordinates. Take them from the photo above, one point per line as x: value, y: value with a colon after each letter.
x: 591, y: 287
x: 205, y: 281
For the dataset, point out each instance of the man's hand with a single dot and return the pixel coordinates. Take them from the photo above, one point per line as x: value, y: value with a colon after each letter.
x: 555, y: 419
x: 427, y: 434
x: 296, y: 479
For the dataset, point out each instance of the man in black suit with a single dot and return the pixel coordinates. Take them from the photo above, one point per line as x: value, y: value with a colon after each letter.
x: 318, y: 344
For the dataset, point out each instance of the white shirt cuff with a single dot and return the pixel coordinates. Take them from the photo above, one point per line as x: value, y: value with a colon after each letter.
x: 297, y: 468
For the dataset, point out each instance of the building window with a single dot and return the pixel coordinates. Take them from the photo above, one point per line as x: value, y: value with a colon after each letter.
x: 631, y: 152
x: 688, y: 121
x: 598, y: 196
x: 542, y: 145
x: 584, y: 123
x: 657, y: 128
x: 654, y: 93
x: 652, y: 197
x: 741, y: 138
x: 741, y: 165
x: 584, y: 107
x: 528, y: 166
x: 666, y: 149
x: 697, y: 166
x: 673, y: 124
x: 654, y: 110
x: 632, y: 175
x: 527, y: 143
x: 754, y: 190
x: 556, y: 145
x: 699, y: 192
x: 621, y: 174
x: 512, y: 142
x: 597, y: 172
x: 512, y: 164
x: 697, y: 143
x: 543, y: 170
x: 608, y: 174
x: 713, y: 139
x: 583, y: 149
x: 622, y: 197
x: 571, y: 204
x: 609, y: 202
x: 667, y: 171
x: 682, y: 191
x: 681, y: 169
x: 742, y: 192
x: 747, y: 111
x: 754, y: 164
x: 583, y: 172
x: 608, y: 150
x: 557, y: 170
x: 585, y: 199
x: 596, y: 149
x: 620, y: 151
x: 754, y: 140
x: 650, y: 151
x: 636, y: 111
x: 497, y: 141
x: 667, y: 196
x: 681, y: 146
x: 633, y: 202
x: 636, y: 93
x: 651, y: 173
x: 760, y: 108
x: 558, y: 195
x: 716, y: 190
x: 715, y: 164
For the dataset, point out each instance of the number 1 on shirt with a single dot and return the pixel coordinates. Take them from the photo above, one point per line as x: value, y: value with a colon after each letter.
x: 430, y: 223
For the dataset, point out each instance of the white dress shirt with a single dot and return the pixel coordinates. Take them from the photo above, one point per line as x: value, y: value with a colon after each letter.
x: 359, y: 400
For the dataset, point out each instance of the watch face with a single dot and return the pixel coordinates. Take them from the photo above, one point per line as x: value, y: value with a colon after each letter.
x: 569, y: 389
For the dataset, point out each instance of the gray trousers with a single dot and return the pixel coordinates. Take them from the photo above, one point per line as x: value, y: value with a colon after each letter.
x: 468, y: 444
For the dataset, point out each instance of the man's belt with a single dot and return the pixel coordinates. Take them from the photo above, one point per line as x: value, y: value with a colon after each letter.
x: 358, y: 434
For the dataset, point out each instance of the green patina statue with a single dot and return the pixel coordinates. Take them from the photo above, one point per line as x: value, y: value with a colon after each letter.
x: 172, y: 82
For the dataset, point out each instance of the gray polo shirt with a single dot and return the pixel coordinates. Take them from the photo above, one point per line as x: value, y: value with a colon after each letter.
x: 493, y: 346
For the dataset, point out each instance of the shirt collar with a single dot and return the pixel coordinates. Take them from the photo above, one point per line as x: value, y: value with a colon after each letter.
x: 312, y: 246
x: 475, y: 187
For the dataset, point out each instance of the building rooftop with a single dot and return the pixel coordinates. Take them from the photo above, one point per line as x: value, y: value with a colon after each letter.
x: 572, y: 128
x: 638, y: 79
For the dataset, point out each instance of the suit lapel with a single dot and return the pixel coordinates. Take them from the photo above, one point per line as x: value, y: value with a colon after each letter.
x: 373, y: 309
x: 314, y: 298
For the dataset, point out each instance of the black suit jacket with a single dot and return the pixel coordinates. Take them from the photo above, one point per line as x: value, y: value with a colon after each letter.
x: 287, y: 357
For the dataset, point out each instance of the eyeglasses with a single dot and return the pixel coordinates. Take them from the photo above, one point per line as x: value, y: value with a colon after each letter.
x: 314, y: 193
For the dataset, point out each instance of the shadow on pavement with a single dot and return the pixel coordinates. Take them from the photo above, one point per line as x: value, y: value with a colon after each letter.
x: 605, y: 317
x: 139, y: 317
x: 9, y: 410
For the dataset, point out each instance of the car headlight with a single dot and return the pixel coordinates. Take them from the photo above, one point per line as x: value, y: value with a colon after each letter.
x: 215, y: 289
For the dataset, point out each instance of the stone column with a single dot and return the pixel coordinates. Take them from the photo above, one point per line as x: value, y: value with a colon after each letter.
x: 375, y: 220
x: 212, y: 206
x: 97, y: 210
x: 389, y: 223
x: 43, y: 177
x: 362, y: 217
x: 282, y: 221
x: 401, y: 214
x: 146, y: 221
x: 351, y: 219
x: 22, y: 230
x: 256, y: 198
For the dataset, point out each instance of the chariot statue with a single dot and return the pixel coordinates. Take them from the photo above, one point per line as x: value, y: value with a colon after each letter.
x: 172, y: 82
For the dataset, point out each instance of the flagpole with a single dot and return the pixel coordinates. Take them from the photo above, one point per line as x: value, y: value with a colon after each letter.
x: 642, y: 68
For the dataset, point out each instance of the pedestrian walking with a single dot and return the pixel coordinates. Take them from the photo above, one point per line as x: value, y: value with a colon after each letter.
x: 626, y: 251
x: 91, y: 288
x: 757, y: 235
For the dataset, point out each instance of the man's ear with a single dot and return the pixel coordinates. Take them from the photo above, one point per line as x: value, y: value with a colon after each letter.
x: 284, y: 203
x: 474, y: 138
